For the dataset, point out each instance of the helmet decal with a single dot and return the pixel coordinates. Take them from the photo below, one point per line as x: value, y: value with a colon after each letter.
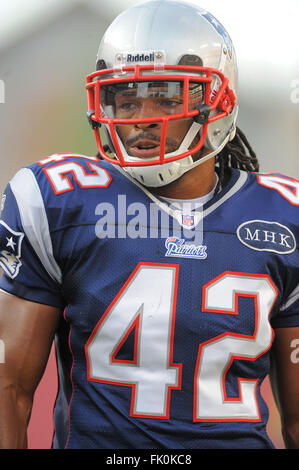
x: 221, y: 30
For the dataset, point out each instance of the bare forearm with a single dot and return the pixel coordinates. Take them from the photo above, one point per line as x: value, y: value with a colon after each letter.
x: 291, y: 435
x: 14, y: 417
x: 27, y: 330
x: 285, y: 383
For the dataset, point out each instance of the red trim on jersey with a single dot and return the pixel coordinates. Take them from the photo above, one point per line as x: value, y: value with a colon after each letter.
x: 286, y: 186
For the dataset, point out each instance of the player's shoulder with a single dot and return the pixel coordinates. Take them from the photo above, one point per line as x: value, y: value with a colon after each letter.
x: 60, y: 185
x: 277, y: 188
x: 66, y: 174
x: 64, y: 189
x: 274, y: 196
x: 68, y: 171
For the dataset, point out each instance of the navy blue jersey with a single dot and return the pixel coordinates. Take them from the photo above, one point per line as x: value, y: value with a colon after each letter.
x: 167, y: 316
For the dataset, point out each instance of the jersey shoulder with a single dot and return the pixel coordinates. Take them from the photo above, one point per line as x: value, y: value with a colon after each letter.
x: 277, y: 191
x: 272, y: 203
x: 68, y: 172
x: 60, y: 186
x: 63, y: 179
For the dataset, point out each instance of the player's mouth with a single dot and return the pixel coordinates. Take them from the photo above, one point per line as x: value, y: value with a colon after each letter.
x: 145, y: 148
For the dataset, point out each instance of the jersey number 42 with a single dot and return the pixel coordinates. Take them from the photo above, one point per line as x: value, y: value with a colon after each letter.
x: 147, y: 302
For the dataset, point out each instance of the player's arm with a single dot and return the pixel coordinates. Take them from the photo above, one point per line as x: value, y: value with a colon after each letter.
x: 285, y: 383
x: 26, y: 333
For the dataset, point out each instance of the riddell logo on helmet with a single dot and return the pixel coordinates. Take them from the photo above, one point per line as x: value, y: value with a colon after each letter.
x: 144, y: 57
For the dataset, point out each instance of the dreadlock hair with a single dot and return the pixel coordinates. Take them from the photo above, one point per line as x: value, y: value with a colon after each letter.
x: 236, y: 154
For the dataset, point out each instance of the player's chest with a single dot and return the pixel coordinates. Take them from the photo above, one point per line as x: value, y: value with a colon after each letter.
x: 209, y: 285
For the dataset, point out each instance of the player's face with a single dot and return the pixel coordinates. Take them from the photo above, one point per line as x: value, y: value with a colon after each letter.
x: 150, y: 100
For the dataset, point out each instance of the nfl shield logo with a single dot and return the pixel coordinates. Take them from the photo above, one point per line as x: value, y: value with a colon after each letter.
x: 188, y: 220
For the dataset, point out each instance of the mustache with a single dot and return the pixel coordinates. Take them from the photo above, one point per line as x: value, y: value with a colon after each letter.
x: 150, y: 136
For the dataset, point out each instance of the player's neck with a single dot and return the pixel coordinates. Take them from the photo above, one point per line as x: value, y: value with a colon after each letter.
x: 195, y: 183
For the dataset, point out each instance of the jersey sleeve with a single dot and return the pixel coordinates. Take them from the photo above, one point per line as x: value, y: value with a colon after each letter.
x: 289, y: 311
x: 280, y: 195
x: 26, y: 254
x: 288, y: 315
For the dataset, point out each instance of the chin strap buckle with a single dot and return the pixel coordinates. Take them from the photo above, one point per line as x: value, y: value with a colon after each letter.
x: 93, y: 124
x: 203, y: 114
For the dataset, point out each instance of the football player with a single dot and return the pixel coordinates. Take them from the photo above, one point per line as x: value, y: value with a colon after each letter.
x: 166, y: 267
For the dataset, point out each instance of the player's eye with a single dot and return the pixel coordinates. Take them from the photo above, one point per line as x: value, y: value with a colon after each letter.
x: 127, y: 106
x: 170, y: 103
x: 170, y: 106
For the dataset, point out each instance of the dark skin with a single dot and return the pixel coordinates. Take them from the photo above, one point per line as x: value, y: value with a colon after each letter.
x: 27, y: 330
x: 285, y: 384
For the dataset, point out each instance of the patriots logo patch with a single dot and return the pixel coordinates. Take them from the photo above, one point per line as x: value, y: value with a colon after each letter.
x: 177, y: 247
x: 10, y: 249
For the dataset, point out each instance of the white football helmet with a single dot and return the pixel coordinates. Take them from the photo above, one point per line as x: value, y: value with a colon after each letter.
x: 159, y: 63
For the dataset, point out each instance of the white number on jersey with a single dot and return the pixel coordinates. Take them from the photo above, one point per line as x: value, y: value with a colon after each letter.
x: 288, y: 188
x: 216, y: 356
x: 58, y: 175
x: 147, y: 303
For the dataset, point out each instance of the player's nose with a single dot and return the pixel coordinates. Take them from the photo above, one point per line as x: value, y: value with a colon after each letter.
x: 147, y: 109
